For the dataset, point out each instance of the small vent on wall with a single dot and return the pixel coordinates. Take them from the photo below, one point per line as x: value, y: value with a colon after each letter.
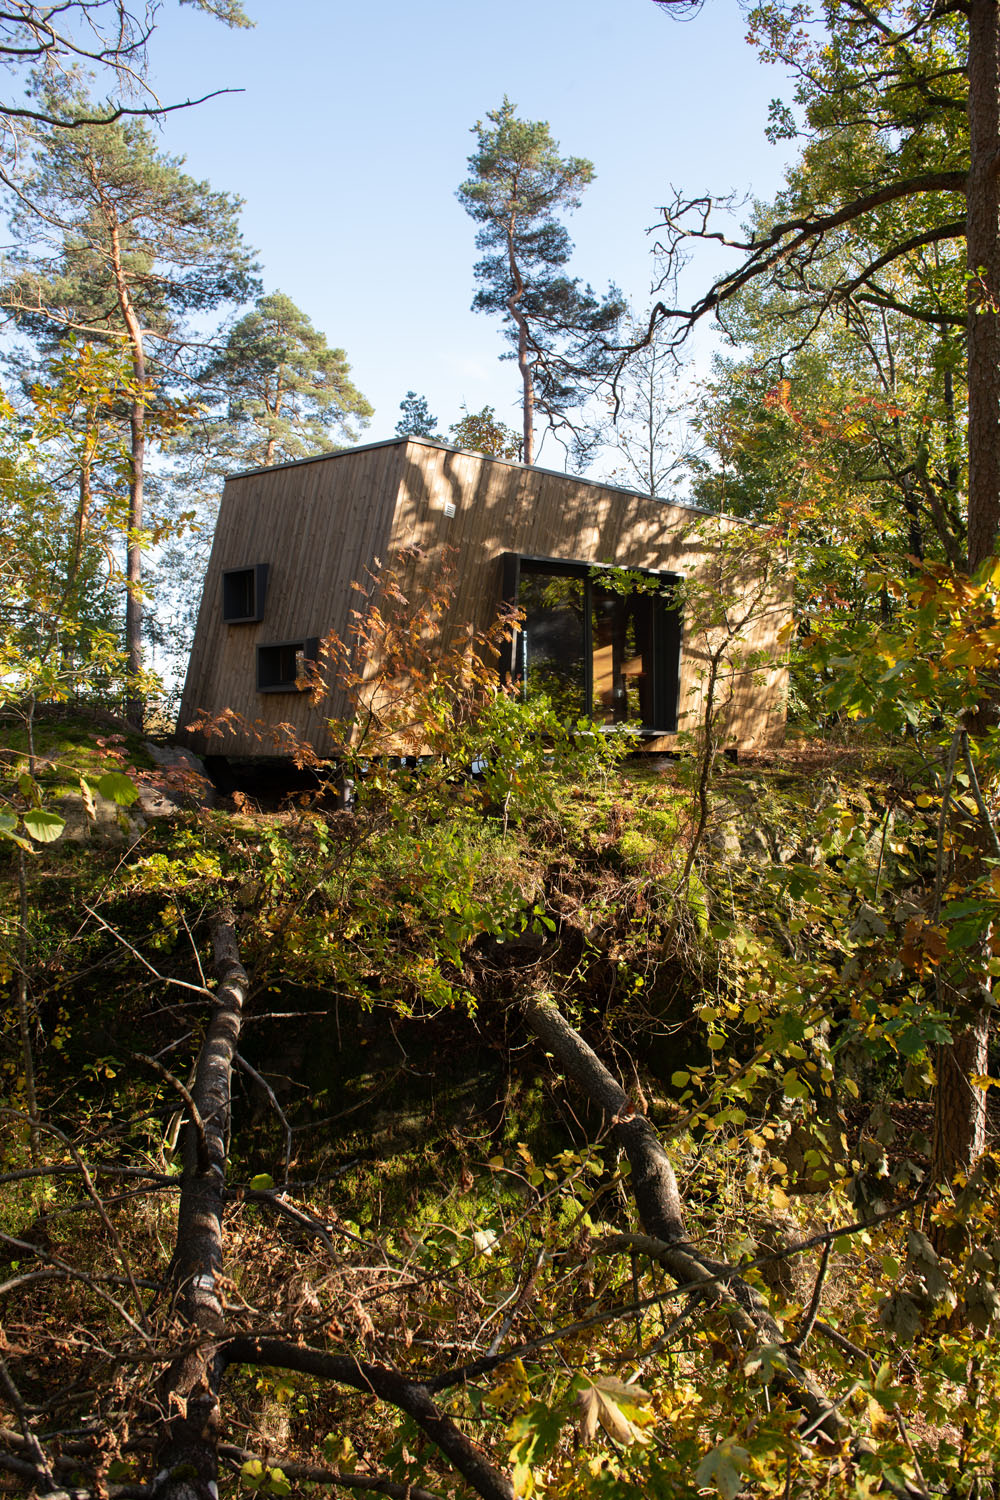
x: 448, y: 508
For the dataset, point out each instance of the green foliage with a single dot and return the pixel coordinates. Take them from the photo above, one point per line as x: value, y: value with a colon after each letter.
x: 481, y: 432
x: 558, y: 330
x: 416, y: 420
x: 286, y: 393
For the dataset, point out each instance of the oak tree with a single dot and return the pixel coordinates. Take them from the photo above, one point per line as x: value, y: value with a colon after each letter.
x: 483, y: 432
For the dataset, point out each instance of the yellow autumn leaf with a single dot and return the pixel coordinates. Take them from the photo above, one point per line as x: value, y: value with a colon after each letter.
x: 614, y: 1406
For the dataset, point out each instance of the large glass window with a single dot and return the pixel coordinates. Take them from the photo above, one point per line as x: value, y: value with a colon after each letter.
x: 609, y: 648
x: 553, y: 640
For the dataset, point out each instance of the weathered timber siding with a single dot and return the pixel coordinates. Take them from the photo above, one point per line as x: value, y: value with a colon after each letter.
x: 321, y: 523
x: 319, y: 526
x: 503, y: 507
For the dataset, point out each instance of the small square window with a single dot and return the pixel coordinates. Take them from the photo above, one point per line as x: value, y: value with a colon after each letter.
x: 243, y: 591
x: 283, y: 667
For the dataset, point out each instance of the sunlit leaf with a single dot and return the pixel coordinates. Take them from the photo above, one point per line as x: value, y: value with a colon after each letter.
x: 42, y: 825
x: 117, y: 788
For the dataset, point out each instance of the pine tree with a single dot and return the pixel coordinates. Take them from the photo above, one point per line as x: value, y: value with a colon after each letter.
x: 559, y: 331
x: 107, y: 39
x: 275, y: 392
x: 119, y: 245
x: 287, y: 393
x: 416, y: 420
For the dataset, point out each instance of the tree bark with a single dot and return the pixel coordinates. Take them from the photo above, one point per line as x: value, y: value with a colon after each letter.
x: 24, y: 1011
x: 412, y: 1396
x: 661, y: 1210
x: 187, y: 1460
x: 959, y: 1105
x: 983, y: 260
x: 137, y: 461
x: 523, y: 362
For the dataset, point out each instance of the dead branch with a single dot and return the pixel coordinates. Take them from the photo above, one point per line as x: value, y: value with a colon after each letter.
x: 311, y: 1474
x: 660, y: 1208
x: 410, y: 1396
x: 784, y: 242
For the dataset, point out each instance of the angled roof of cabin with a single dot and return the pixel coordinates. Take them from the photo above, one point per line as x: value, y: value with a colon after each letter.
x: 509, y: 463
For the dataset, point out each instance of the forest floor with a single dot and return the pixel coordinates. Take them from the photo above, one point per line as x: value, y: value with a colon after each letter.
x: 411, y: 1174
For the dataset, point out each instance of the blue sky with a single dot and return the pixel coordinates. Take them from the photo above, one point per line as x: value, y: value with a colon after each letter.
x: 352, y: 134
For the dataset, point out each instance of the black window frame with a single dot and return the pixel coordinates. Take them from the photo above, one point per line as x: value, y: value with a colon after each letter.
x: 257, y: 573
x: 309, y: 647
x: 668, y: 631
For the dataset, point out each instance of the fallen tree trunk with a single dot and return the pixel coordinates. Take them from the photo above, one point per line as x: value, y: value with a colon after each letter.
x: 661, y: 1210
x: 187, y: 1453
x: 187, y: 1459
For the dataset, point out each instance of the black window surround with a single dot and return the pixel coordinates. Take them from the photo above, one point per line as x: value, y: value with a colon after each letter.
x: 243, y: 593
x: 663, y: 626
x: 280, y: 665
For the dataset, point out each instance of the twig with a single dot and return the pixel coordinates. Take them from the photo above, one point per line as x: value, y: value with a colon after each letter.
x: 192, y: 1108
x: 94, y: 1197
x: 520, y: 1298
x: 309, y: 1474
x: 180, y: 984
x: 241, y: 1062
x: 840, y: 1341
x: 812, y: 1312
x: 945, y: 800
x: 984, y: 815
x: 273, y: 1198
x: 31, y: 1441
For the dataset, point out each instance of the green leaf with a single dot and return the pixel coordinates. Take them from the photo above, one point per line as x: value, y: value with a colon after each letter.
x: 8, y: 830
x: 766, y: 1361
x: 117, y: 788
x: 43, y: 826
x: 262, y: 1183
x: 723, y: 1467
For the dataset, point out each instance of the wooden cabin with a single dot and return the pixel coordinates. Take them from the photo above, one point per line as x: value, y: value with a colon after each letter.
x: 292, y: 540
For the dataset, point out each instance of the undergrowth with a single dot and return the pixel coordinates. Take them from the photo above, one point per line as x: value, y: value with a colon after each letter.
x: 464, y: 1188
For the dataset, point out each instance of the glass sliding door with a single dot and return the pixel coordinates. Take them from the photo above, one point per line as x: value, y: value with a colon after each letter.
x: 612, y: 653
x: 622, y: 664
x: 553, y: 650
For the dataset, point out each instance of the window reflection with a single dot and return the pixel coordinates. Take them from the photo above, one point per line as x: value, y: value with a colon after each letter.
x: 622, y: 633
x: 553, y: 650
x: 596, y: 650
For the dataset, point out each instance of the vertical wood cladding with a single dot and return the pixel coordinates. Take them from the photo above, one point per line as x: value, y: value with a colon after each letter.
x: 321, y: 524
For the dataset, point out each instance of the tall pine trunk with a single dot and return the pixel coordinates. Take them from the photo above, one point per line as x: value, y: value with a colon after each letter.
x: 523, y: 361
x: 960, y: 1106
x: 134, y: 703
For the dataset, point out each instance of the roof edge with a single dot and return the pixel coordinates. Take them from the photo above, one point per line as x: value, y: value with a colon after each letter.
x: 511, y: 463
